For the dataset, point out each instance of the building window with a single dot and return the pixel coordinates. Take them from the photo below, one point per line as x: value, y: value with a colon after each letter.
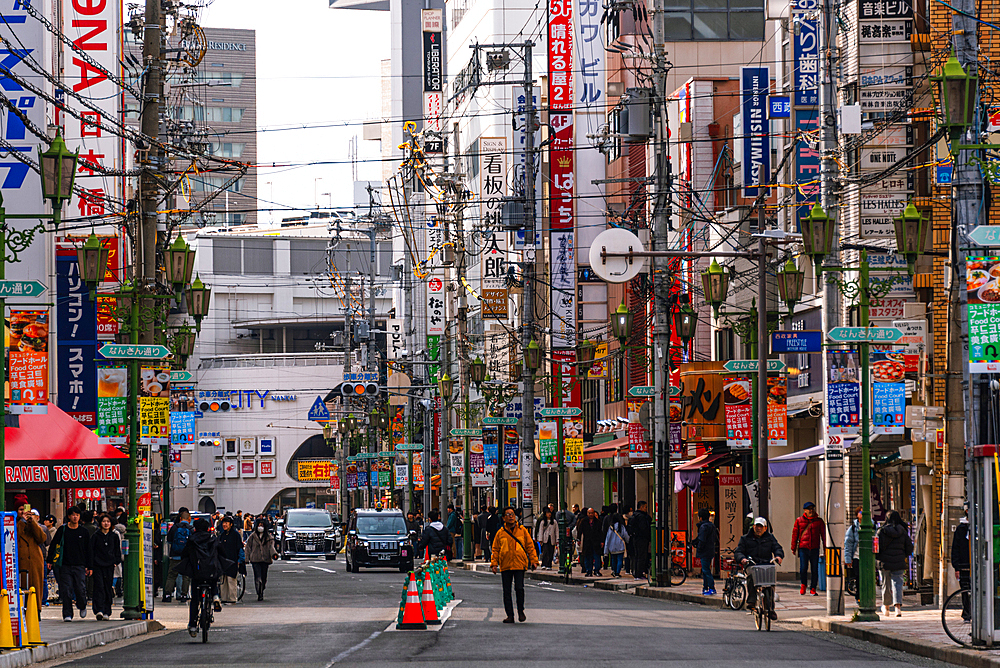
x: 615, y: 126
x: 227, y: 149
x: 707, y: 20
x: 210, y: 114
x: 614, y: 387
x: 309, y: 257
x: 200, y: 183
x: 590, y: 393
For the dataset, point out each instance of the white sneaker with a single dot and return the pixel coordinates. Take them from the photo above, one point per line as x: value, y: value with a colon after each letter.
x: 899, y: 611
x: 67, y: 619
x: 885, y: 612
x: 100, y: 616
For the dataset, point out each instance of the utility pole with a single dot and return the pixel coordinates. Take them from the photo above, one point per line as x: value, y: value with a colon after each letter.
x: 144, y: 273
x: 345, y: 444
x: 833, y: 470
x: 372, y: 359
x: 528, y: 297
x: 967, y: 213
x: 660, y: 196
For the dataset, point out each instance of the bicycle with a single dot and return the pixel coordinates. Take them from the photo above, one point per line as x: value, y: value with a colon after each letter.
x: 764, y: 579
x: 677, y: 571
x: 956, y: 617
x: 206, y: 615
x: 734, y: 589
x: 241, y: 581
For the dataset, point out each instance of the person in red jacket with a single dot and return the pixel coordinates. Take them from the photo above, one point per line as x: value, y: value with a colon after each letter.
x: 808, y: 536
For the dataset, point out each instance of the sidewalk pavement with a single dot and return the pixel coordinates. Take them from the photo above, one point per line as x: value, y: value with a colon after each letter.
x: 63, y: 638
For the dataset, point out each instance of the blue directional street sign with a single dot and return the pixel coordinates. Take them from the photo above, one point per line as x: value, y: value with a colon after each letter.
x: 319, y: 412
x: 985, y: 235
x: 870, y: 334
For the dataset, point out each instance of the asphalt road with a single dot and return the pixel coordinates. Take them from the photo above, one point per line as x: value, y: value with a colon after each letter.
x: 317, y: 615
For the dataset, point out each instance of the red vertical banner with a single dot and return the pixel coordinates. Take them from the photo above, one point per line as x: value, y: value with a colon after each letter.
x: 561, y: 55
x: 638, y: 446
x: 777, y: 411
x: 562, y: 363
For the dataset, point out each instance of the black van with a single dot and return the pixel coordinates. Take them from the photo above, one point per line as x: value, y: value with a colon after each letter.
x: 378, y: 538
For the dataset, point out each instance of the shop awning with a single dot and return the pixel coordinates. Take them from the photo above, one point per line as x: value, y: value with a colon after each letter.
x: 54, y: 451
x: 794, y: 463
x: 604, y: 450
x: 688, y: 474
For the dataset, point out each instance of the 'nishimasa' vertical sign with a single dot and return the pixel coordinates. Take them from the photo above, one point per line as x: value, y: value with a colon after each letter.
x: 756, y: 82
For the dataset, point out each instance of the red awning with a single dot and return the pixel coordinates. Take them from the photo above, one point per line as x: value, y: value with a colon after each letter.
x: 54, y: 451
x: 604, y: 450
x: 699, y: 462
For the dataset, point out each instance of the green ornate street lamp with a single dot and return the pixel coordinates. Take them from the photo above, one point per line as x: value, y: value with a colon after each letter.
x: 817, y: 235
x: 685, y: 322
x: 533, y: 356
x: 199, y: 296
x: 477, y: 371
x: 958, y: 92
x: 790, y: 280
x: 621, y: 323
x: 92, y: 258
x: 911, y: 234
x: 179, y: 264
x: 715, y: 283
x: 58, y: 169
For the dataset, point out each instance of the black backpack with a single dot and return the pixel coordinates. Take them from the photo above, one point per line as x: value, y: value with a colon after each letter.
x: 205, y: 562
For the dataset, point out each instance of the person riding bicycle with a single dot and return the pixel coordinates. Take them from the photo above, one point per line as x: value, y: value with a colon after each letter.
x: 203, y: 561
x: 761, y: 546
x: 436, y: 538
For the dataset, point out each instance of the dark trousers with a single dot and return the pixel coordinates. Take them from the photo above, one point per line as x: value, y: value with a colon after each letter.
x: 965, y: 582
x: 104, y: 592
x: 707, y: 581
x: 640, y: 558
x: 72, y: 585
x: 548, y: 550
x: 589, y: 562
x: 507, y: 578
x: 807, y: 558
x: 851, y: 573
x: 194, y: 608
x: 170, y: 584
x: 260, y: 575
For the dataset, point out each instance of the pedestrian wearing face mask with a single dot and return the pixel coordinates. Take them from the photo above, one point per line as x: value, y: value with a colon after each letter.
x: 260, y: 552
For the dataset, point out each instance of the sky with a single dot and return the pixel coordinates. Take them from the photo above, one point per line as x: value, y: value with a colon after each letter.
x: 315, y: 66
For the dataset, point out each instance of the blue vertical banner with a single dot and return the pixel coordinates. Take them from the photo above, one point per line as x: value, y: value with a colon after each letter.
x: 807, y: 165
x: 76, y: 321
x: 806, y: 75
x: 888, y: 408
x: 756, y: 85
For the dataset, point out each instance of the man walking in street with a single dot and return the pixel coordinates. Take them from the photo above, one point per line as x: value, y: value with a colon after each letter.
x: 435, y: 539
x: 808, y: 536
x: 70, y: 552
x: 177, y: 538
x: 591, y: 542
x: 640, y: 528
x: 705, y: 544
x: 513, y: 554
x: 456, y: 529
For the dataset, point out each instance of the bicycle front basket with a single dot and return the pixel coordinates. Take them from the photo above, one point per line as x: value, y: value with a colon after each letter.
x: 765, y: 575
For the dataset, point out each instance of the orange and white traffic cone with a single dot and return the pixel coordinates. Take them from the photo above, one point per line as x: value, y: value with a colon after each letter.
x: 413, y: 617
x: 427, y: 602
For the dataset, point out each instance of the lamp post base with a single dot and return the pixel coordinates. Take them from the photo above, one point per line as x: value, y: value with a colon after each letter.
x: 131, y: 613
x: 662, y: 579
x: 865, y: 616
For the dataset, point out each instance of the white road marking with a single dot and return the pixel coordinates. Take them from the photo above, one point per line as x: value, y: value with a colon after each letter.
x: 347, y: 652
x: 293, y: 571
x: 320, y: 568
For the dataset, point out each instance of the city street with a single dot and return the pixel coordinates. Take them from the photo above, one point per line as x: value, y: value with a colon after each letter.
x: 317, y: 618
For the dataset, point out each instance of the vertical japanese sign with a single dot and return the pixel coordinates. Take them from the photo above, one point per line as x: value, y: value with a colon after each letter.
x: 756, y: 84
x: 29, y: 362
x: 806, y: 50
x: 493, y: 261
x: 93, y: 28
x: 11, y: 578
x: 806, y: 162
x: 888, y: 393
x: 777, y: 411
x: 435, y: 304
x: 112, y: 404
x: 148, y: 572
x: 548, y: 445
x: 497, y: 353
x: 984, y: 314
x: 843, y: 393
x: 154, y: 406
x: 527, y: 481
x: 738, y: 409
x: 432, y: 22
x: 563, y: 289
x: 638, y: 446
x: 563, y: 362
x: 76, y: 323
x: 418, y: 469
x: 731, y: 513
x: 491, y: 446
x: 398, y: 425
x: 521, y: 160
x: 560, y: 56
x: 477, y: 456
x: 182, y: 430
x: 511, y: 445
x: 573, y: 442
x: 676, y: 443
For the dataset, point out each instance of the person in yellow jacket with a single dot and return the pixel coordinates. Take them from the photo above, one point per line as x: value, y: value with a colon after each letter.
x: 513, y: 554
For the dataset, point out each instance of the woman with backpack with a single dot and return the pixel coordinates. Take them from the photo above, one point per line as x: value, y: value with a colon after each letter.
x: 894, y: 548
x: 614, y: 543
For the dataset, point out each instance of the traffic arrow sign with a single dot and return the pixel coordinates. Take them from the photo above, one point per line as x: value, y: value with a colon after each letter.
x: 561, y: 411
x: 642, y: 391
x: 737, y: 366
x: 409, y: 447
x: 181, y: 376
x: 985, y: 235
x: 21, y: 288
x: 118, y: 351
x: 674, y: 390
x: 318, y: 412
x: 870, y: 334
x: 490, y: 421
x: 466, y: 432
